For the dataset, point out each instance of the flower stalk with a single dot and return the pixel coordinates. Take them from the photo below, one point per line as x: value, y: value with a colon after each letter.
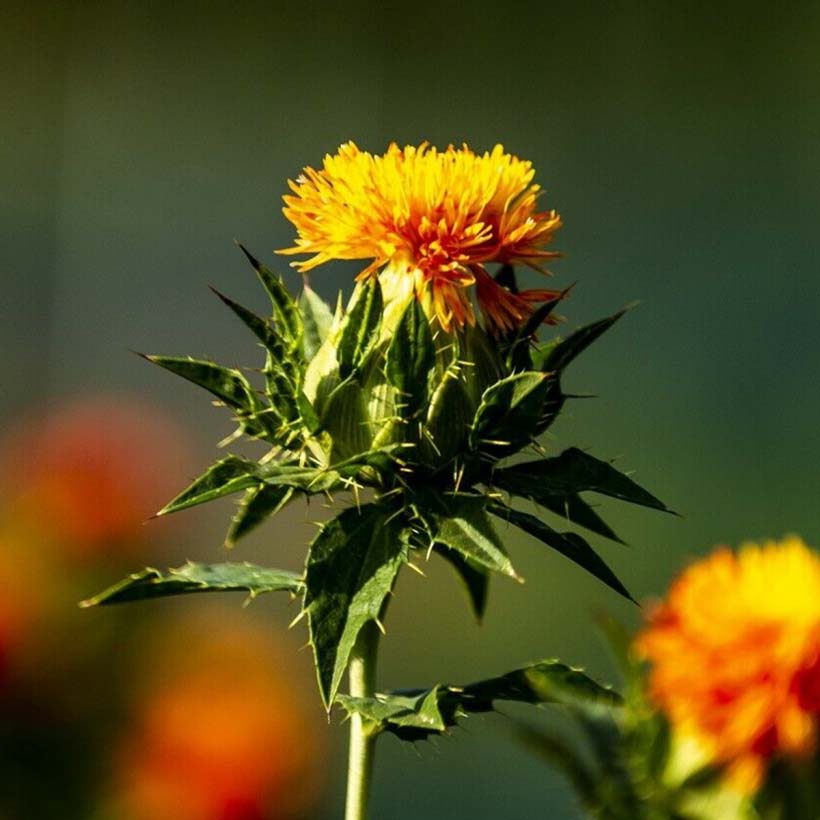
x: 362, y: 746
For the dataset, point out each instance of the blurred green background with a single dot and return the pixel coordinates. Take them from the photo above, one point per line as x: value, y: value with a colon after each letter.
x: 681, y: 144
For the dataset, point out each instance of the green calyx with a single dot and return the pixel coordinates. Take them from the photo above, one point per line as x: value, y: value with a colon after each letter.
x: 418, y: 426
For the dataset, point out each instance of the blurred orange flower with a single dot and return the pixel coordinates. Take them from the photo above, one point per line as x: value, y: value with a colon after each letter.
x: 87, y: 474
x: 431, y: 220
x: 220, y: 732
x: 735, y: 652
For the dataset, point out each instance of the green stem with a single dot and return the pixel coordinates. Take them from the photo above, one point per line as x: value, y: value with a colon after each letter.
x: 362, y: 672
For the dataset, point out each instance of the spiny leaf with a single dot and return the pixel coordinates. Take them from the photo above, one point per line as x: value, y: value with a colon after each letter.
x: 410, y: 717
x: 561, y: 354
x: 227, y: 384
x: 553, y: 403
x: 155, y: 583
x: 307, y: 413
x: 449, y: 415
x: 568, y: 544
x: 475, y: 578
x: 461, y: 523
x: 573, y: 508
x: 509, y: 412
x: 360, y: 326
x: 317, y: 319
x: 416, y: 714
x: 261, y: 328
x: 351, y: 567
x: 345, y: 418
x: 260, y: 503
x: 232, y: 474
x: 410, y: 357
x: 280, y: 383
x: 229, y: 475
x: 518, y: 355
x: 309, y: 479
x: 339, y: 475
x: 286, y: 315
x: 572, y: 472
x: 282, y: 368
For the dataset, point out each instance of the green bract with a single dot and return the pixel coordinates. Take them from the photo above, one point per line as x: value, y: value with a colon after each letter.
x: 422, y: 429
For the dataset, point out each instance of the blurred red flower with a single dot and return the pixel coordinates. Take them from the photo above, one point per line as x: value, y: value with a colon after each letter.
x: 87, y: 474
x: 220, y: 732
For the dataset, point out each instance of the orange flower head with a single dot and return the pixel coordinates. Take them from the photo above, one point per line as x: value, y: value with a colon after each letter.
x: 735, y: 653
x: 430, y: 221
x: 220, y: 731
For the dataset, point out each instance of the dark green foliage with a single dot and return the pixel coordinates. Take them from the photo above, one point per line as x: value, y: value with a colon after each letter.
x: 316, y: 318
x: 360, y: 328
x: 258, y: 505
x: 518, y: 354
x: 475, y: 578
x: 416, y: 714
x: 228, y: 385
x: 573, y: 508
x: 229, y: 475
x: 286, y: 315
x: 561, y: 354
x: 410, y: 358
x: 572, y: 472
x: 190, y: 578
x: 351, y: 567
x: 385, y: 402
x: 509, y: 413
x: 261, y: 328
x: 461, y: 523
x: 569, y: 544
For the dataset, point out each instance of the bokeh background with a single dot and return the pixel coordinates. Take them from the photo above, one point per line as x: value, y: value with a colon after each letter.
x: 681, y: 143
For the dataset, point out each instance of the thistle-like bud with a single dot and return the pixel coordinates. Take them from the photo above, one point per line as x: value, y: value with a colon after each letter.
x: 389, y: 377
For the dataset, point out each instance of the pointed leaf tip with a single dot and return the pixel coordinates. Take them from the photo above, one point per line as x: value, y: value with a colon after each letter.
x: 249, y: 256
x: 569, y: 544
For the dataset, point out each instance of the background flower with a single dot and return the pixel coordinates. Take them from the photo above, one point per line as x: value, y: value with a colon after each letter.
x: 218, y: 731
x: 735, y: 652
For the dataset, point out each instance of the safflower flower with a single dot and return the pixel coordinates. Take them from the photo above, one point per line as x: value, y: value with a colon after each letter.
x: 735, y: 653
x: 429, y: 221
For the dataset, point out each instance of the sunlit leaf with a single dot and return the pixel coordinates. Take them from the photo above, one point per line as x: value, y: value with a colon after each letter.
x: 286, y: 316
x: 229, y: 475
x: 360, y: 327
x: 351, y: 567
x: 228, y: 385
x: 190, y: 578
x: 461, y: 523
x: 317, y: 319
x: 509, y: 412
x: 410, y: 357
x: 417, y: 714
